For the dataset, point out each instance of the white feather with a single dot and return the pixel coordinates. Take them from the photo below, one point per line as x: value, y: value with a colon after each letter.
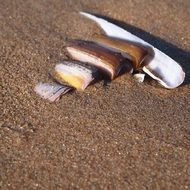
x: 161, y: 67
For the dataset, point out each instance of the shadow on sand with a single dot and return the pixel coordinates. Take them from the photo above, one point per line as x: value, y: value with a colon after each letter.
x: 179, y: 55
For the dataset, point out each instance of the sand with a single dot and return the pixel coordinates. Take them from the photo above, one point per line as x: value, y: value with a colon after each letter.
x: 121, y: 135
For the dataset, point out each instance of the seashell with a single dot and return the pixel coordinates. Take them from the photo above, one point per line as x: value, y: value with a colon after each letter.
x: 130, y: 50
x: 75, y: 74
x: 139, y: 77
x: 106, y: 60
x: 51, y: 92
x: 158, y: 65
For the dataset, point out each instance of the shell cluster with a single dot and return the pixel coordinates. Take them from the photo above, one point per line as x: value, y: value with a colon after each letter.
x: 107, y: 55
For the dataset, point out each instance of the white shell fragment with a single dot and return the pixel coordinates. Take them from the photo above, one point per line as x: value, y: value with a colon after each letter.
x: 139, y: 77
x: 159, y: 66
x: 76, y: 74
x: 51, y: 92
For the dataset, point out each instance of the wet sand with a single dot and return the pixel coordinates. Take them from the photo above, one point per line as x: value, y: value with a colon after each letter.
x: 123, y: 135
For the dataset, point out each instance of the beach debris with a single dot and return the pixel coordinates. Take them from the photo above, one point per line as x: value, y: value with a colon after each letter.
x: 107, y: 61
x: 157, y: 64
x: 132, y: 51
x: 110, y: 55
x: 76, y: 74
x: 139, y: 77
x: 51, y: 91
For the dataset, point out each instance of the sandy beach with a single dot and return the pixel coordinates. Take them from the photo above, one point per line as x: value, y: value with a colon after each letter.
x: 121, y: 135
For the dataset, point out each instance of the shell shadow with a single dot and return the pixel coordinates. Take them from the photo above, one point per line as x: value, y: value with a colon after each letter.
x: 179, y: 55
